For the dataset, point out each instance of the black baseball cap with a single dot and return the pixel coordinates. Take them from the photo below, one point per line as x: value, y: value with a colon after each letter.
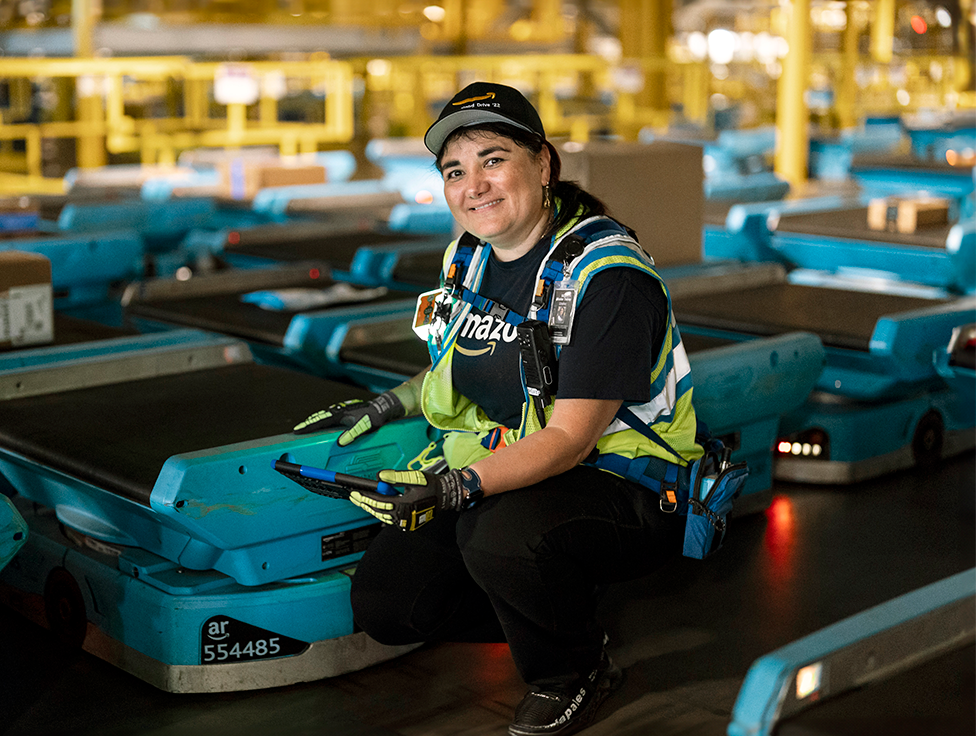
x: 483, y: 102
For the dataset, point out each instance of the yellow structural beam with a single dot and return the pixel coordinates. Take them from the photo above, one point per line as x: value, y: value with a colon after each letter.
x: 84, y: 17
x: 645, y: 27
x: 882, y: 30
x: 846, y: 103
x: 91, y: 147
x: 792, y: 117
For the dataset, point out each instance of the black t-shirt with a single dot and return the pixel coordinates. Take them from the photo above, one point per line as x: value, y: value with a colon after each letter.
x: 622, y: 312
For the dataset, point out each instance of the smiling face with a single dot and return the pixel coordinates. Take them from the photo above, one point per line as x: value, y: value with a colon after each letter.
x: 493, y: 187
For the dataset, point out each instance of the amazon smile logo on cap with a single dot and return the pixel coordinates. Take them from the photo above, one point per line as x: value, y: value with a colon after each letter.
x: 489, y: 96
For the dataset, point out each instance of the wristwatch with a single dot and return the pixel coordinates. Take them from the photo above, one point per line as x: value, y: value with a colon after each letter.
x: 471, y: 482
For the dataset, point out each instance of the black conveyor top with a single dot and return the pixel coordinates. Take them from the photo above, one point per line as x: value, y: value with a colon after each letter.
x: 842, y: 319
x: 118, y: 436
x: 407, y: 356
x: 70, y: 330
x: 423, y: 269
x: 304, y: 243
x: 228, y: 315
x: 852, y: 224
x: 936, y: 697
x: 905, y: 162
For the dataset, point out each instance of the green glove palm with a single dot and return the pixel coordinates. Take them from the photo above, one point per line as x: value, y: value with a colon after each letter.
x: 424, y: 494
x: 360, y: 416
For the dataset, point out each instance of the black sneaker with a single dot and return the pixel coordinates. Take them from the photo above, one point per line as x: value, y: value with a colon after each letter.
x: 566, y: 711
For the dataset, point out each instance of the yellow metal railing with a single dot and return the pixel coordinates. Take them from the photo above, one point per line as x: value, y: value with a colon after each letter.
x: 408, y: 91
x: 151, y: 109
x: 194, y: 115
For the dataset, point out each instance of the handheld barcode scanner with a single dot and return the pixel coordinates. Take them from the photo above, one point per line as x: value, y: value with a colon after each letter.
x: 329, y: 483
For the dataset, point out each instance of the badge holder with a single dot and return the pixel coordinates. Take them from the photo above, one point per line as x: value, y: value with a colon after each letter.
x: 562, y: 310
x: 433, y: 307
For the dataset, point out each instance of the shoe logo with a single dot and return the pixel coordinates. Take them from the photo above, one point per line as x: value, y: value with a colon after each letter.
x: 573, y: 706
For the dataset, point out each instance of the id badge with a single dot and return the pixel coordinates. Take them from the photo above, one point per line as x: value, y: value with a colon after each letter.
x: 562, y: 310
x: 423, y: 316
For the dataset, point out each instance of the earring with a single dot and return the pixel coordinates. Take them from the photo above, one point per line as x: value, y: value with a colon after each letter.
x: 546, y: 197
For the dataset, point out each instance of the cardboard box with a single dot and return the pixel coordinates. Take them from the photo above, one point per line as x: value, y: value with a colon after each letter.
x: 18, y: 215
x: 26, y: 300
x: 242, y: 178
x: 906, y: 215
x: 657, y: 189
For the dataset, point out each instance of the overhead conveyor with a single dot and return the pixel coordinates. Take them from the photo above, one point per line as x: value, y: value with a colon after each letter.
x: 289, y: 314
x: 161, y: 538
x: 880, y: 402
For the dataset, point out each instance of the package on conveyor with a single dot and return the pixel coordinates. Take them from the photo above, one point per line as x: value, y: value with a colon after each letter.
x: 243, y: 177
x: 18, y: 215
x: 657, y: 189
x: 26, y: 299
x: 907, y: 214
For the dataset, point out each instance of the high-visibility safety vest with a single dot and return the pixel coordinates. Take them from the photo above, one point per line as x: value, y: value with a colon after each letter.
x: 578, y: 253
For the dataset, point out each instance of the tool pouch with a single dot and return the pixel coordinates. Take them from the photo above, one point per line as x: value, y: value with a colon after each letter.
x: 714, y: 487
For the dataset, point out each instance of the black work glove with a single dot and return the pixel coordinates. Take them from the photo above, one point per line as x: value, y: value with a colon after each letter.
x: 360, y: 416
x: 423, y: 495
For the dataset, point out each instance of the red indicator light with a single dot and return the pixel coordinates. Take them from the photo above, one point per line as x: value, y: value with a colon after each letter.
x: 314, y: 273
x: 233, y: 237
x: 919, y: 25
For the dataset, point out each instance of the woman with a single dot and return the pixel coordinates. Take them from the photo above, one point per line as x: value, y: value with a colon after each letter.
x: 527, y: 527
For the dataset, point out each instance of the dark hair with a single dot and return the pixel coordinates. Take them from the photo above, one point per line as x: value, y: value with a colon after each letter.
x: 572, y: 197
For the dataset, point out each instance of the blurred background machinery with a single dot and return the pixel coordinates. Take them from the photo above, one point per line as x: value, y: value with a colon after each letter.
x: 89, y: 82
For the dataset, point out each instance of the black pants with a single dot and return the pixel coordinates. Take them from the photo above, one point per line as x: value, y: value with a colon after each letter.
x: 533, y: 560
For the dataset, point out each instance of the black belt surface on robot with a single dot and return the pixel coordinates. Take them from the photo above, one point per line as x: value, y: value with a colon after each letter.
x: 422, y: 269
x: 228, y: 315
x: 118, y: 436
x: 337, y: 249
x: 853, y: 225
x: 841, y: 318
x: 70, y: 331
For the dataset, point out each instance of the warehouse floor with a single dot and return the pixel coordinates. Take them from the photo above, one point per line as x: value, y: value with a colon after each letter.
x: 686, y: 637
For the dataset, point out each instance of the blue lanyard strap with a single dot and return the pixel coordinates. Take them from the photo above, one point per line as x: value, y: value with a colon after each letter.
x: 455, y: 282
x: 569, y: 248
x: 495, y: 309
